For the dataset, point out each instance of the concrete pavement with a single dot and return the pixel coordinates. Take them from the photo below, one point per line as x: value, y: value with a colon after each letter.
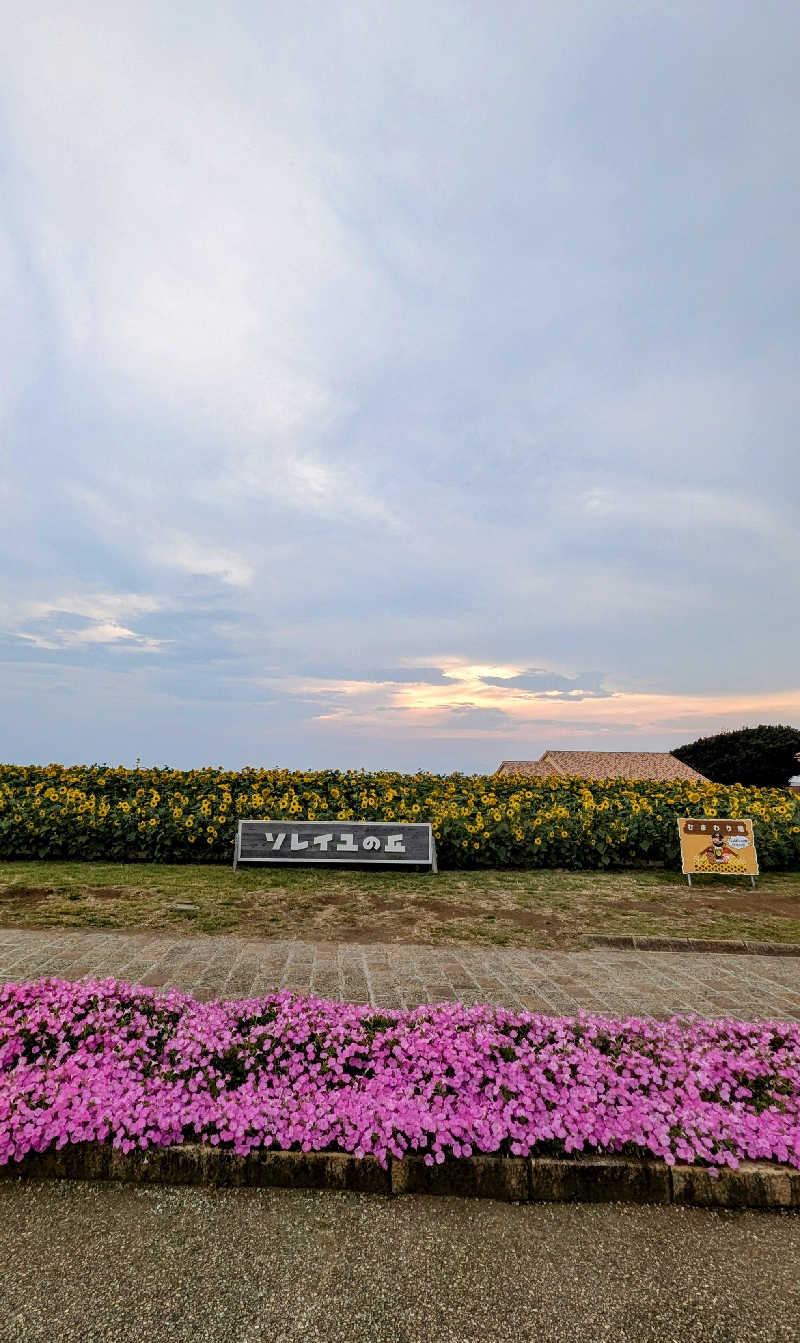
x: 115, y: 1264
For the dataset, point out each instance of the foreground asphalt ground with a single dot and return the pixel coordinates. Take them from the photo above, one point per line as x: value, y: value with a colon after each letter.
x: 118, y: 1264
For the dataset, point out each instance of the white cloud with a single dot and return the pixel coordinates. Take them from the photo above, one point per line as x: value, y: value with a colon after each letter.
x: 460, y: 336
x: 52, y: 625
x: 97, y: 606
x: 210, y: 244
x: 59, y: 638
x: 191, y: 556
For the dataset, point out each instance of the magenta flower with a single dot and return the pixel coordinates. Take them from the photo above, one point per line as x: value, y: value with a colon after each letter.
x: 108, y: 1062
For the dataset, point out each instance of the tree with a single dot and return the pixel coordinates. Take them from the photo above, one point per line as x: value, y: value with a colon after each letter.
x: 763, y: 756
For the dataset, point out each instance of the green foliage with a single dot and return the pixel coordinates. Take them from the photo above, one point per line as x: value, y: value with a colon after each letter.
x: 760, y: 757
x: 496, y: 821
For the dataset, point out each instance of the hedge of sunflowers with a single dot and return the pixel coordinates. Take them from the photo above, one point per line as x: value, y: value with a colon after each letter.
x: 190, y: 816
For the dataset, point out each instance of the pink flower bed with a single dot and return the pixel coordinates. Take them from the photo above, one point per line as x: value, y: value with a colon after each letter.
x: 108, y: 1062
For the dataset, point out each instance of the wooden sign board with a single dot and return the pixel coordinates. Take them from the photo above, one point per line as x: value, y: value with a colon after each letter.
x: 718, y: 845
x: 335, y: 843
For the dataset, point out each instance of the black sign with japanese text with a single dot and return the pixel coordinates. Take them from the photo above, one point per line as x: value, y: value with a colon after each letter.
x: 384, y: 843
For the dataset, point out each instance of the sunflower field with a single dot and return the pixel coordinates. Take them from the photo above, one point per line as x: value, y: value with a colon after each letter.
x: 166, y: 815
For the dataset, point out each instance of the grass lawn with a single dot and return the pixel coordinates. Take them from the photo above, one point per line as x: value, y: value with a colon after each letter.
x: 515, y: 909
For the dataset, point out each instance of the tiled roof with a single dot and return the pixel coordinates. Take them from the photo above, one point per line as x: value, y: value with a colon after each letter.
x: 658, y: 765
x: 535, y: 769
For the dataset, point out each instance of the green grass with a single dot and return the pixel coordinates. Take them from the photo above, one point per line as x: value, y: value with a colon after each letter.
x: 538, y: 908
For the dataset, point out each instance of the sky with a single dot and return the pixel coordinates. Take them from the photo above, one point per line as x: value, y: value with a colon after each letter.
x: 396, y: 386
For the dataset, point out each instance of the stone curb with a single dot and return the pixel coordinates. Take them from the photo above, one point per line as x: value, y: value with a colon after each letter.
x: 499, y: 1177
x: 720, y: 946
x: 581, y: 1179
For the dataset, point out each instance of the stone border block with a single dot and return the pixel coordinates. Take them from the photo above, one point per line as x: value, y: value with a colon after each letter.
x: 74, y: 1161
x: 598, y: 1179
x: 198, y: 1164
x: 584, y: 1179
x: 499, y: 1177
x: 187, y: 1164
x: 317, y: 1170
x: 261, y: 1169
x: 756, y: 1184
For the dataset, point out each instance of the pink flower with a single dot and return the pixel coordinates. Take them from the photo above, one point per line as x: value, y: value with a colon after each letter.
x: 107, y: 1061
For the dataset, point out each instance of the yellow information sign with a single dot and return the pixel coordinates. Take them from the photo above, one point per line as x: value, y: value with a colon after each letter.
x: 720, y: 845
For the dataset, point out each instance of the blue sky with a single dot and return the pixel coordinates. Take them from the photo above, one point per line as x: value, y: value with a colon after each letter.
x: 396, y: 385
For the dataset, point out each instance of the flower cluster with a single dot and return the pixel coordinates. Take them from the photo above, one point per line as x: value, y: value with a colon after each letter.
x: 108, y: 1062
x: 162, y: 815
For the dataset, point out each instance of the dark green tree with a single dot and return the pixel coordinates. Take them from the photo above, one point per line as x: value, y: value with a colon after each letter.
x: 762, y: 756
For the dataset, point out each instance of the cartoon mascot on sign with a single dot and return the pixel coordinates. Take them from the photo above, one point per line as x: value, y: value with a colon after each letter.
x: 718, y: 851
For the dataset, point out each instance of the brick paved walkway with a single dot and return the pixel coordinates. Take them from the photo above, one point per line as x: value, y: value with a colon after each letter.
x: 655, y: 983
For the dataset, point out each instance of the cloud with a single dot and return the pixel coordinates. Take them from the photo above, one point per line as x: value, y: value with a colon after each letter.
x: 83, y: 619
x: 391, y: 394
x: 499, y: 705
x: 191, y: 556
x: 97, y: 606
x: 540, y: 682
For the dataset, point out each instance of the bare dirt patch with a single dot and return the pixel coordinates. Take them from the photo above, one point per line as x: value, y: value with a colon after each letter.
x: 646, y: 907
x: 369, y: 917
x: 521, y: 918
x: 749, y: 902
x: 35, y: 894
x: 115, y: 892
x: 26, y: 895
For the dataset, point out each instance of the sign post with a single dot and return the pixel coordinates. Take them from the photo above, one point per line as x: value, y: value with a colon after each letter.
x: 718, y: 845
x: 335, y: 843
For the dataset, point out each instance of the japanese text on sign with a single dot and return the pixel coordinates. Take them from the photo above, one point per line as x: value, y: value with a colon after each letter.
x: 707, y: 827
x: 346, y: 842
x: 328, y: 841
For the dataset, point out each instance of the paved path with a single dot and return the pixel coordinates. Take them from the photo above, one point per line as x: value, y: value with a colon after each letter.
x: 393, y: 975
x: 108, y: 1263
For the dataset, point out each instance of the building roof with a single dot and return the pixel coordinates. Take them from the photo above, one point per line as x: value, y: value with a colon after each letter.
x: 657, y: 765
